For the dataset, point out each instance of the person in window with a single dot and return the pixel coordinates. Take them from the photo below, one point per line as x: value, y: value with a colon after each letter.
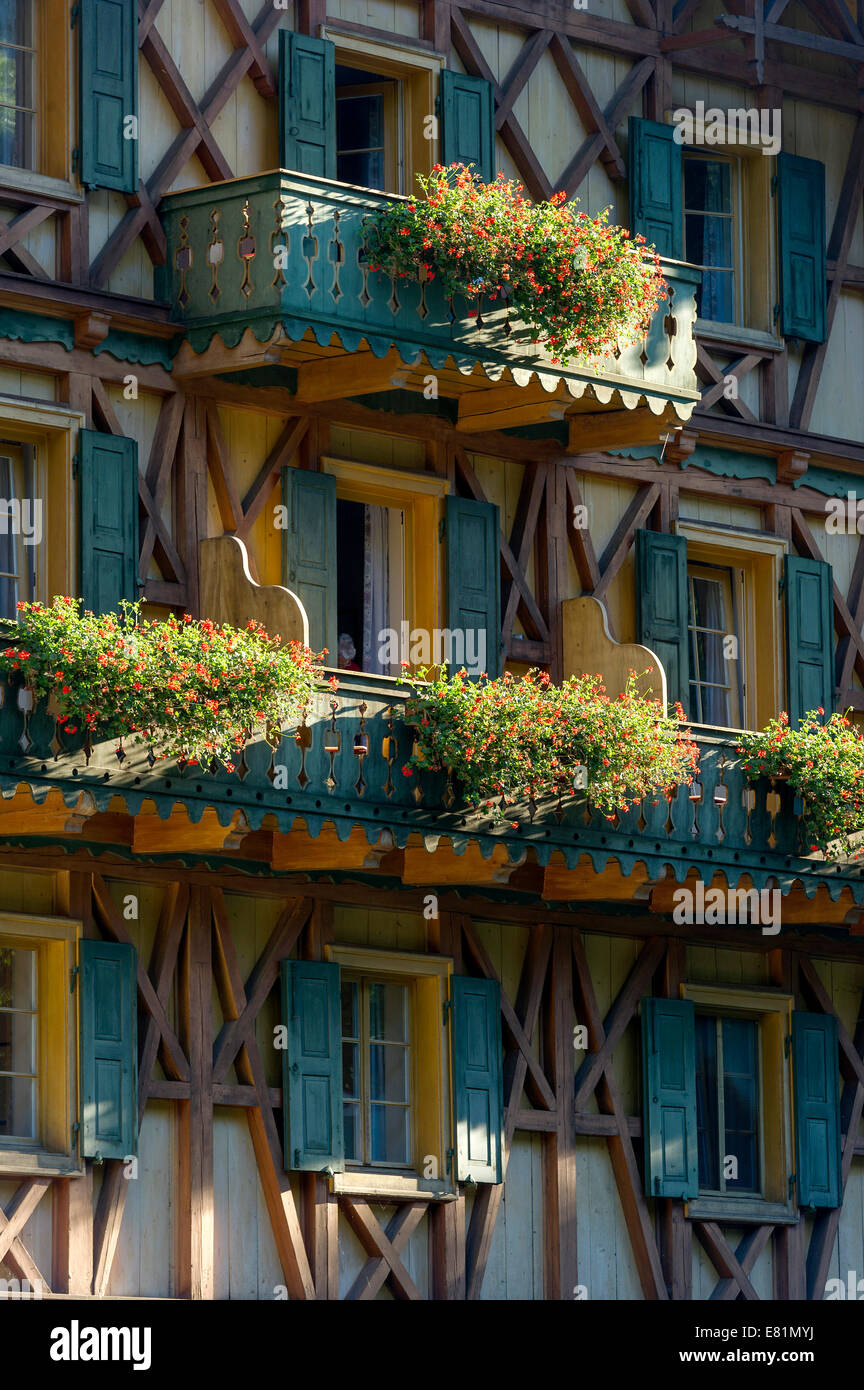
x: 347, y: 652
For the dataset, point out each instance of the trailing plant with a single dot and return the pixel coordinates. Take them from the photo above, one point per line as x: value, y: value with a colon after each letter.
x: 522, y: 738
x: 192, y: 690
x: 823, y: 761
x: 579, y: 286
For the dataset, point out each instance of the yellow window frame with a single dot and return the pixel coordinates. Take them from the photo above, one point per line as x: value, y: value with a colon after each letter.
x: 773, y: 1011
x: 56, y: 943
x: 420, y: 498
x: 429, y: 977
x: 54, y: 433
x: 55, y: 94
x: 759, y: 559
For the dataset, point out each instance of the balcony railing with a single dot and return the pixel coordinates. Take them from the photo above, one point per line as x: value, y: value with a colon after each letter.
x: 225, y: 273
x: 344, y: 765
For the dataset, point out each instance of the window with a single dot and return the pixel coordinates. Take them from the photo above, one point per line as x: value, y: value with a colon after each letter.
x: 18, y: 84
x: 743, y: 1100
x: 716, y: 695
x: 377, y: 1063
x: 712, y: 234
x: 368, y: 149
x: 371, y: 584
x: 36, y: 1044
x: 20, y: 525
x: 386, y: 569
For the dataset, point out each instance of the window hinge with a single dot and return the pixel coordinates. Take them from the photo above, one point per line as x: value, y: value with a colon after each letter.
x: 75, y: 458
x: 73, y: 978
x: 445, y: 1011
x: 73, y: 19
x: 776, y: 314
x: 450, y: 1155
x: 793, y: 1178
x: 438, y: 105
x: 781, y: 586
x: 773, y: 185
x: 75, y: 1128
x: 75, y: 154
x: 441, y: 529
x: 787, y: 1044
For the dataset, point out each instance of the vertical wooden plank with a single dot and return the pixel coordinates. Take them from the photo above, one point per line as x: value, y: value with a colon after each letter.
x: 72, y: 1235
x: 197, y: 1033
x: 435, y: 23
x: 79, y: 395
x: 559, y: 1152
x: 320, y: 1209
x: 674, y: 1232
x: 191, y: 494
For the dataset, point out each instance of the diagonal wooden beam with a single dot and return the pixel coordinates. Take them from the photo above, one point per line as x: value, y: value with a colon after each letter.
x: 18, y: 256
x: 726, y: 1261
x: 221, y: 475
x: 377, y: 1244
x: 236, y: 1031
x: 22, y: 224
x: 827, y: 1223
x: 637, y: 983
x: 519, y: 74
x: 281, y: 454
x: 522, y: 539
x: 739, y: 368
x: 624, y: 536
x: 843, y: 620
x: 582, y: 97
x: 15, y: 1217
x: 855, y: 604
x: 242, y: 35
x: 160, y: 464
x: 377, y: 1268
x: 613, y: 114
x: 707, y: 368
x: 579, y: 537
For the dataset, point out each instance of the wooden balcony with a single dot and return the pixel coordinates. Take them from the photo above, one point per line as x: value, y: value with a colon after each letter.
x: 225, y: 275
x: 341, y: 775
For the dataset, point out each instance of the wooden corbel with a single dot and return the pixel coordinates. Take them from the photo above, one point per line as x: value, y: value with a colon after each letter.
x: 91, y: 329
x: 791, y: 465
x: 680, y: 445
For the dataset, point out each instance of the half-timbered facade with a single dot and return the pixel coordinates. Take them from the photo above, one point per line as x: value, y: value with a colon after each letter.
x: 329, y: 1033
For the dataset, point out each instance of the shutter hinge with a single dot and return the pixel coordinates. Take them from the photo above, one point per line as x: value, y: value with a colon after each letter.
x: 793, y: 1178
x: 781, y: 586
x: 776, y: 313
x: 296, y: 1158
x: 445, y: 1012
x: 438, y: 104
x: 787, y: 1044
x: 442, y: 526
x: 75, y: 157
x: 75, y: 971
x: 73, y: 18
x: 75, y: 458
x: 773, y: 185
x: 75, y: 1128
x: 450, y: 1157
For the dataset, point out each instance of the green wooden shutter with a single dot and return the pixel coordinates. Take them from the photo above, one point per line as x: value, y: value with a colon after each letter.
x: 108, y: 520
x: 809, y: 589
x: 309, y: 551
x: 307, y: 104
x: 669, y: 1089
x: 817, y: 1109
x: 108, y: 1017
x: 468, y: 123
x: 312, y: 1066
x: 477, y: 1095
x: 661, y: 607
x: 473, y: 580
x: 656, y: 171
x: 108, y: 93
x: 801, y: 227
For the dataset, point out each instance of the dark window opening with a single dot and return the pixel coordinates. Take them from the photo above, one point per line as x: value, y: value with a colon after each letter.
x: 727, y: 1104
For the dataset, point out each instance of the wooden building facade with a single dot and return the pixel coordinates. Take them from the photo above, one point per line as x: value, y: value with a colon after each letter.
x: 330, y: 1035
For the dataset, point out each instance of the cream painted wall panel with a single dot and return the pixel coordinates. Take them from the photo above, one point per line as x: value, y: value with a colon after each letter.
x: 387, y: 450
x: 35, y: 1236
x: 839, y: 408
x: 606, y: 1266
x: 14, y: 382
x: 549, y: 119
x: 39, y: 241
x: 397, y: 17
x: 246, y: 1264
x: 143, y: 1264
x: 699, y: 507
x: 848, y: 1255
x: 515, y: 1266
x: 838, y: 549
x: 390, y: 930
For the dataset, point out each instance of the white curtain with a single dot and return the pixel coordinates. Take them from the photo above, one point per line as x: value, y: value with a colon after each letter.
x: 376, y: 586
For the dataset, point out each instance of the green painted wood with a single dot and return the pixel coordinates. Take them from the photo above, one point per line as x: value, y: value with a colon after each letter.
x: 108, y: 520
x: 312, y: 1066
x: 669, y: 1097
x: 108, y: 94
x: 468, y: 122
x: 808, y: 589
x: 801, y: 227
x: 477, y: 1078
x: 815, y: 1071
x: 109, y: 1048
x: 473, y: 578
x: 661, y: 607
x: 656, y: 181
x: 309, y: 551
x: 307, y: 104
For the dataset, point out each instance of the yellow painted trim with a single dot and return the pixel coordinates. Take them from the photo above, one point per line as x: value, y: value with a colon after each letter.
x: 56, y: 942
x: 760, y: 558
x: 54, y: 431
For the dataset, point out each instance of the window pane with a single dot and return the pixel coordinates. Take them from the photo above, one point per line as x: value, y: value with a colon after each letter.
x: 366, y: 169
x: 387, y: 1012
x: 359, y: 122
x: 16, y: 22
x: 389, y: 1134
x: 17, y: 978
x: 349, y: 1009
x: 18, y: 1043
x: 388, y: 1072
x: 351, y: 1123
x: 17, y: 1108
x: 706, y: 1102
x: 740, y: 1099
x: 707, y: 185
x: 715, y: 297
